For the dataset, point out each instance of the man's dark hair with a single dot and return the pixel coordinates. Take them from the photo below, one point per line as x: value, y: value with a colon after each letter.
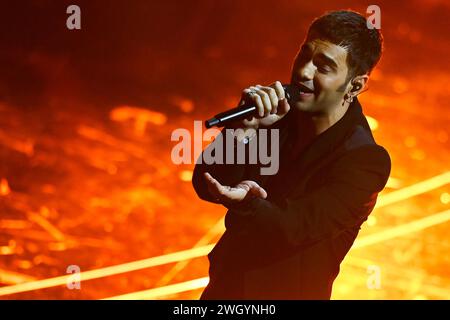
x: 349, y: 29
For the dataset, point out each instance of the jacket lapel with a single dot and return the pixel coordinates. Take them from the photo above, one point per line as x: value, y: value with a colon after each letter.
x: 322, y: 150
x: 294, y: 173
x: 324, y: 144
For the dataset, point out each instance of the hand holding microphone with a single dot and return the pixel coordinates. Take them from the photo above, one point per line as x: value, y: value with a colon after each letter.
x: 260, y: 106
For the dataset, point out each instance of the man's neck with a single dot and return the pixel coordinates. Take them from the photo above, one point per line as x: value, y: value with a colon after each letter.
x: 315, y: 124
x: 323, y: 122
x: 312, y: 125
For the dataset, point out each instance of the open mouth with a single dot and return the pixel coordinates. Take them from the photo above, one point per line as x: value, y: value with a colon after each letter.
x: 300, y: 91
x: 304, y: 89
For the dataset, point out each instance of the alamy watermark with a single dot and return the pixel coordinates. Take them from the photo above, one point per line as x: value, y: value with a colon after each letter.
x: 374, y: 278
x: 226, y: 148
x: 374, y: 20
x: 74, y: 280
x: 73, y: 21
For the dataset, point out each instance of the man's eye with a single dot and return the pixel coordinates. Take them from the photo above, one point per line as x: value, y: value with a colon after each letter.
x: 324, y: 68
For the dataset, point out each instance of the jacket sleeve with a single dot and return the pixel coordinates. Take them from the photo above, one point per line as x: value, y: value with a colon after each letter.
x: 345, y: 201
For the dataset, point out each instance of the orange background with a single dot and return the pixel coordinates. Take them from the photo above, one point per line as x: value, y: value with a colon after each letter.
x: 86, y: 116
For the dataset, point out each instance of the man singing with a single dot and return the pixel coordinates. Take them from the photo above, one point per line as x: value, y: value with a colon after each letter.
x: 286, y: 234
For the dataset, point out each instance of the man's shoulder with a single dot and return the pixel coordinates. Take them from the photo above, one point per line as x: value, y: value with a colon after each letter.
x: 363, y: 162
x: 361, y: 150
x: 358, y: 137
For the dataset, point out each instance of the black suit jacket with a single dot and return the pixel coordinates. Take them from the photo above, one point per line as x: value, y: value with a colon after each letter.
x: 290, y: 245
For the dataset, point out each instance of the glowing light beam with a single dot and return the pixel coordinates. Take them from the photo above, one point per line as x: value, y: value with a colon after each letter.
x: 414, y: 190
x: 403, y: 229
x: 383, y: 200
x: 109, y: 271
x: 164, y: 291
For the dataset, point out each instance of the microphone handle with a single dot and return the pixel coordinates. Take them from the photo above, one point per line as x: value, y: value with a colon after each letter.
x: 238, y: 113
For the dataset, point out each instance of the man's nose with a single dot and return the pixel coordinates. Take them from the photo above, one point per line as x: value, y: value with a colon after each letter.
x: 306, y: 72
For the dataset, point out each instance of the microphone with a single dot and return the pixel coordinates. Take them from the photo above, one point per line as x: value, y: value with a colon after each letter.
x: 241, y: 112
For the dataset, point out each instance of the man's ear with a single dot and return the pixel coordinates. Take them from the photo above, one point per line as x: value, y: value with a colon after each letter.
x: 357, y: 84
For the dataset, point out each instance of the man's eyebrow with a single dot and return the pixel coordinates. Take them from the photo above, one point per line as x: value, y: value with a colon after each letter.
x: 327, y: 59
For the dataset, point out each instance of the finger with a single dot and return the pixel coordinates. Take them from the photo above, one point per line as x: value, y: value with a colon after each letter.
x: 208, y: 176
x: 272, y: 96
x: 214, y: 185
x: 279, y: 90
x: 211, y: 180
x: 253, y: 96
x: 284, y: 107
x: 248, y: 120
x: 265, y: 99
x: 246, y: 94
x: 259, y: 192
x: 255, y: 189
